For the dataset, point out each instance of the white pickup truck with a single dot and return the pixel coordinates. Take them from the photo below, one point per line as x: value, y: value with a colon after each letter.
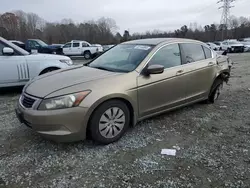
x: 232, y: 46
x: 18, y: 66
x: 77, y: 48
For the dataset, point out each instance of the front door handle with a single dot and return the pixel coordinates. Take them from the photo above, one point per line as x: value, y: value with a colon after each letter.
x: 179, y: 72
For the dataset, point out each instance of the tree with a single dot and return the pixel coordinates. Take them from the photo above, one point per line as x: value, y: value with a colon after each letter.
x: 126, y: 36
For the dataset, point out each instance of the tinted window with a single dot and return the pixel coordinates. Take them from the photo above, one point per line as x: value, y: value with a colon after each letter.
x: 76, y: 44
x: 208, y: 52
x: 85, y: 45
x: 168, y: 56
x: 224, y: 43
x: 193, y: 52
x: 68, y: 45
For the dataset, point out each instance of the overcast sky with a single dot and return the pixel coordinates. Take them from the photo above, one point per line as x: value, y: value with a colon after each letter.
x: 135, y: 15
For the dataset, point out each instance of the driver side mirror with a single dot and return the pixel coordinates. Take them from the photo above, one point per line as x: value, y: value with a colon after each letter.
x: 8, y: 51
x: 154, y: 69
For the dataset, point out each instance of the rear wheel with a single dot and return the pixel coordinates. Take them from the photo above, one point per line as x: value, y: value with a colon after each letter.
x: 109, y: 122
x: 215, y: 91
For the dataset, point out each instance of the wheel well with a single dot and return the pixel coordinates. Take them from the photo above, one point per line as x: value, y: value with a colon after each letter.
x: 223, y: 76
x: 86, y: 51
x: 128, y: 104
x: 44, y: 70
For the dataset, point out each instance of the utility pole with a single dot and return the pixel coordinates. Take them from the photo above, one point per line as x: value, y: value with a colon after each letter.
x: 225, y: 17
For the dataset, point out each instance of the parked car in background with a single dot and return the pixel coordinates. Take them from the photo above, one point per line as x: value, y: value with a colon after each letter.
x: 76, y: 48
x: 246, y: 43
x: 232, y: 46
x: 213, y: 46
x: 18, y: 43
x: 41, y: 47
x: 218, y: 43
x: 17, y: 66
x: 130, y: 82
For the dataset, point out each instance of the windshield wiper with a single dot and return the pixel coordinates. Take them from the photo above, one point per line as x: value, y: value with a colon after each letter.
x: 103, y: 68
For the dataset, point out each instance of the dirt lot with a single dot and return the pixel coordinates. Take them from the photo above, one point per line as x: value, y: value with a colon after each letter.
x: 213, y: 143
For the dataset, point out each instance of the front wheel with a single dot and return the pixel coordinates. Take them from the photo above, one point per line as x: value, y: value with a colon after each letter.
x: 87, y: 55
x: 109, y: 122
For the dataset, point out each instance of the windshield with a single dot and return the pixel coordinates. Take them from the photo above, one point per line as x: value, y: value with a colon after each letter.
x: 41, y: 43
x: 15, y: 47
x: 122, y: 58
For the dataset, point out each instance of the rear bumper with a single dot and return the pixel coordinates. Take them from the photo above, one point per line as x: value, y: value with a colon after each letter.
x: 66, y: 125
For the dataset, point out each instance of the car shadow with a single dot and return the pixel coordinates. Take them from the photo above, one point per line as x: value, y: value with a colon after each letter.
x: 11, y: 90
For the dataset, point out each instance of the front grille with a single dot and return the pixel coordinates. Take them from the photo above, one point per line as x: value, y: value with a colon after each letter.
x: 27, y: 102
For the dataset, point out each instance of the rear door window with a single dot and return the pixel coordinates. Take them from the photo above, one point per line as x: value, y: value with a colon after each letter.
x: 77, y: 44
x: 208, y: 52
x: 192, y: 52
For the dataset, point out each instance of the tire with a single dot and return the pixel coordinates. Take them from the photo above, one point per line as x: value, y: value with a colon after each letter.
x: 109, y: 122
x: 87, y: 55
x: 215, y: 91
x: 48, y: 70
x: 220, y: 48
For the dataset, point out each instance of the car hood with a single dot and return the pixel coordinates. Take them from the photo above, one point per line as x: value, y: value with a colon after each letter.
x: 52, y: 82
x: 237, y: 45
x: 39, y: 56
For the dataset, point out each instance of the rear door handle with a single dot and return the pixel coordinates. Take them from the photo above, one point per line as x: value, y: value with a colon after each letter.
x: 179, y: 72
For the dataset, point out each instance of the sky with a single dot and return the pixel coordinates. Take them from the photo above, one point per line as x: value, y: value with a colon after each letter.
x: 133, y: 15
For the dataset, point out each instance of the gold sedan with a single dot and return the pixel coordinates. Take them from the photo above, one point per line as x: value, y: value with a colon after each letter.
x: 128, y: 83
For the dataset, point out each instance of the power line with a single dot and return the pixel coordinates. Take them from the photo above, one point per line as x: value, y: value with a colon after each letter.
x: 225, y: 17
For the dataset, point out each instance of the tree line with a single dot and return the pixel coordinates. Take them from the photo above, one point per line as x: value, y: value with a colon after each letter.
x: 19, y: 25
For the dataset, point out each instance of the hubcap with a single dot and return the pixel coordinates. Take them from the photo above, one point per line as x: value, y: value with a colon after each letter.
x: 112, y: 122
x: 218, y: 92
x: 87, y: 56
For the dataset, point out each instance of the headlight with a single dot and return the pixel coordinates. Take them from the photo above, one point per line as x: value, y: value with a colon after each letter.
x: 67, y: 61
x: 66, y: 101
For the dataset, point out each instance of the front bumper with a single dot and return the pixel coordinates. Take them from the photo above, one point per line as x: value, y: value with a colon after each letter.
x: 237, y: 48
x: 64, y: 125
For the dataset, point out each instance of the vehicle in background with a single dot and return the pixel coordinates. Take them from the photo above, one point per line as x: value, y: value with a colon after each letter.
x: 41, y: 47
x: 18, y: 43
x: 18, y: 66
x: 213, y: 46
x: 232, y: 46
x: 107, y: 47
x: 130, y: 82
x: 77, y: 48
x: 246, y: 43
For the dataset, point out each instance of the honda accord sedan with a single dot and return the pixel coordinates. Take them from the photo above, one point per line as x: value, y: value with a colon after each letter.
x: 130, y: 82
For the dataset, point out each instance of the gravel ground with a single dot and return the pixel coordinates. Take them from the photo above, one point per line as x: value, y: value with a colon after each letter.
x: 212, y: 142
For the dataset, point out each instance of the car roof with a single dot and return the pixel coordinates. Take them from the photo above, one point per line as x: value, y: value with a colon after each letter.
x: 156, y: 41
